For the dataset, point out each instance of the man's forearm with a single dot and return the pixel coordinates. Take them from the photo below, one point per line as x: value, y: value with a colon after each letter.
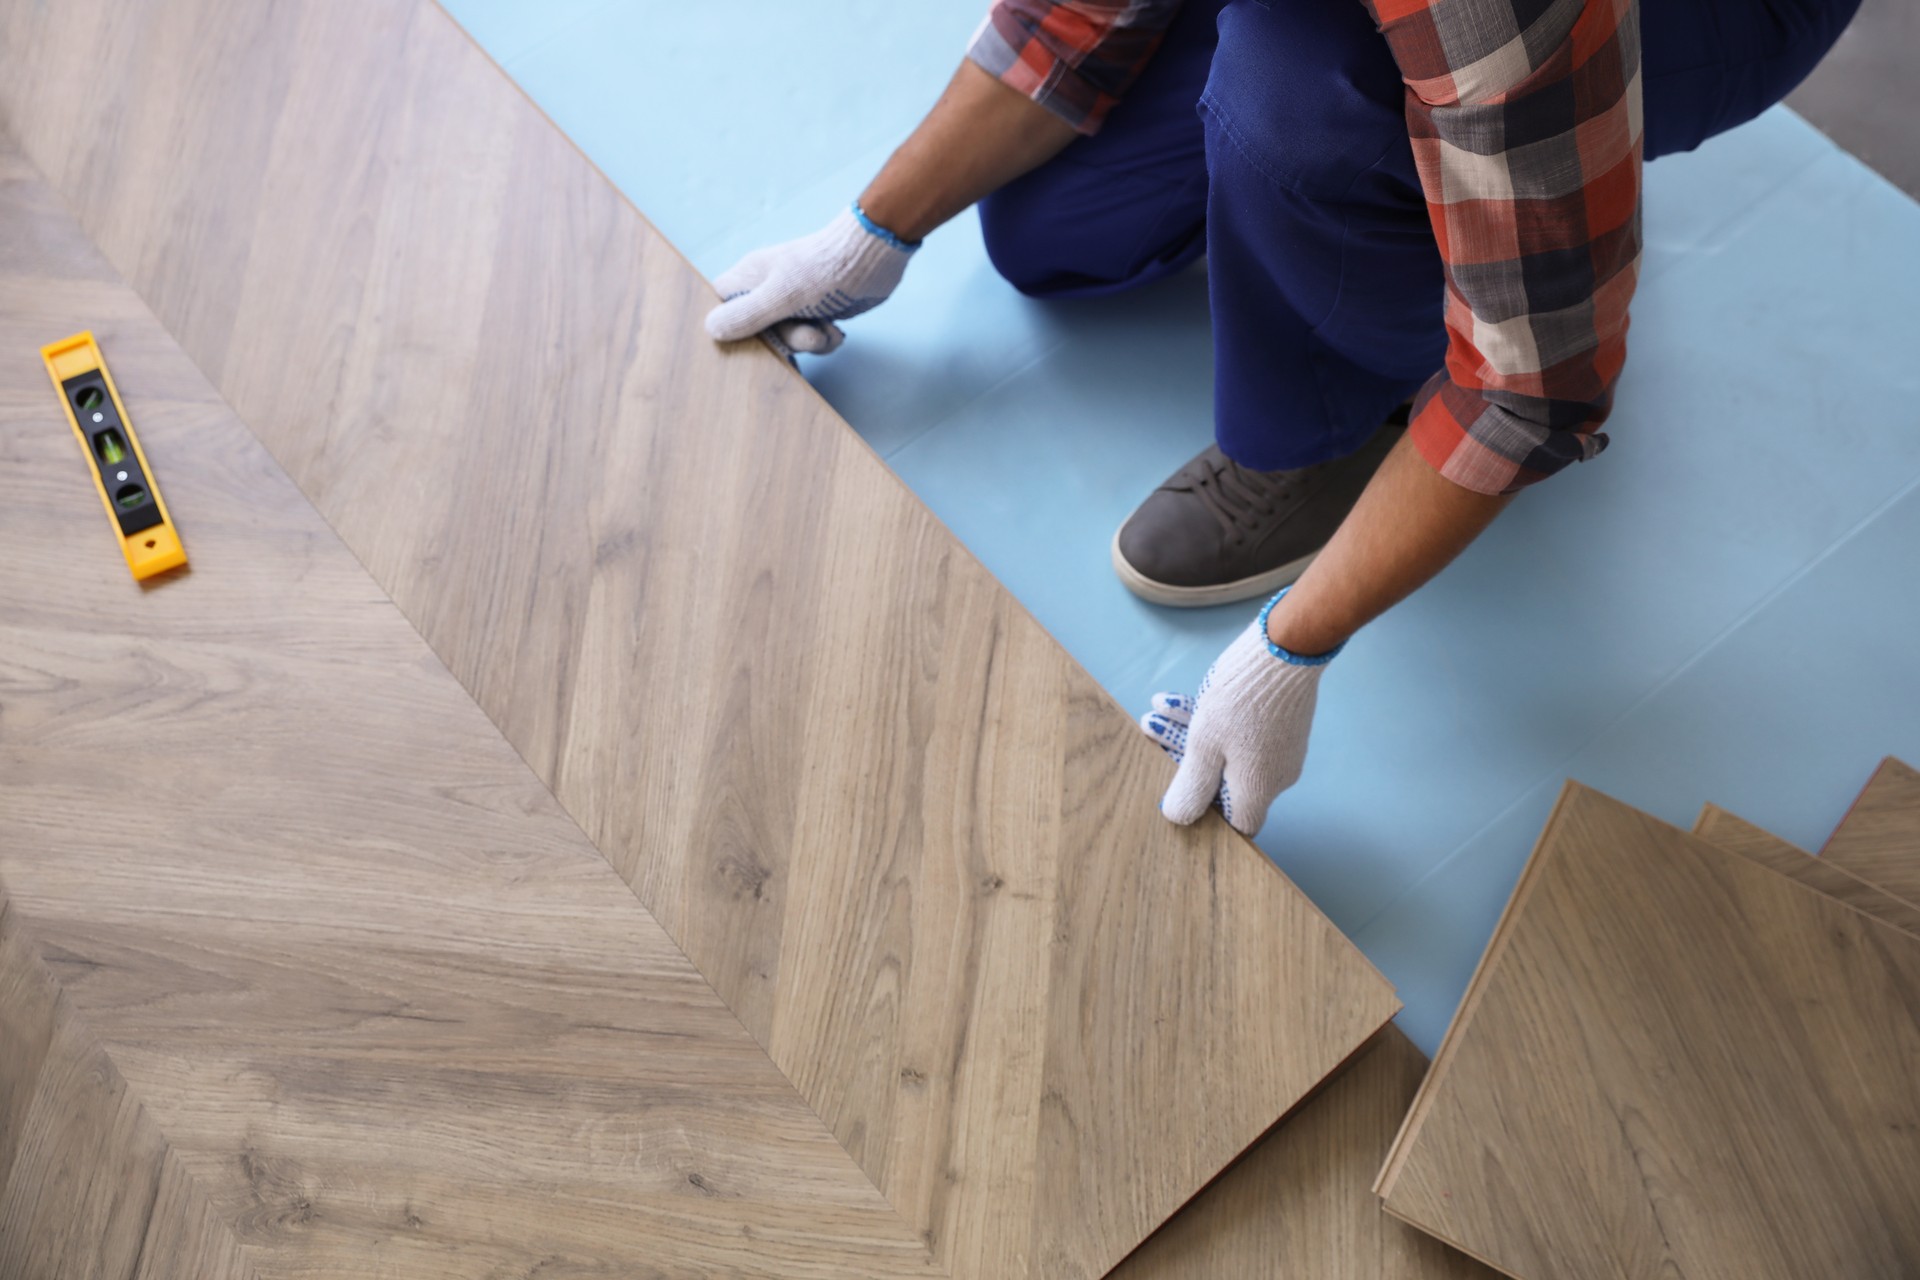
x: 1409, y: 524
x: 980, y: 136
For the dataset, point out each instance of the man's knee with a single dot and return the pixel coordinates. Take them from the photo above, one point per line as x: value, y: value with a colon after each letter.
x: 1027, y: 236
x: 1070, y: 231
x: 1307, y: 95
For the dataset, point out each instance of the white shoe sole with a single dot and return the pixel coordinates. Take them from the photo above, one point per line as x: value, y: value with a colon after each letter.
x: 1260, y: 584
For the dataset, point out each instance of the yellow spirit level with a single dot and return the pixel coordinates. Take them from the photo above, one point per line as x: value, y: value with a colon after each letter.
x: 120, y: 470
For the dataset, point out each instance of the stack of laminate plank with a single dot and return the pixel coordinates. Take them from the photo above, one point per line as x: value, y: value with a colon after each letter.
x: 1686, y: 1055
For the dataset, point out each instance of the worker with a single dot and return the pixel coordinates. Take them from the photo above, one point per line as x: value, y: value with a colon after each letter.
x: 1421, y: 225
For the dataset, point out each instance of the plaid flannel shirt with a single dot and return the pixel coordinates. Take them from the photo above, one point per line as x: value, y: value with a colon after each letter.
x: 1526, y: 129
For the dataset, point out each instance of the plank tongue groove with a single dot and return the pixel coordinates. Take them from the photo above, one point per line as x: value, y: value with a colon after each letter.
x: 1880, y: 839
x: 1673, y: 1062
x: 909, y: 842
x: 1733, y: 834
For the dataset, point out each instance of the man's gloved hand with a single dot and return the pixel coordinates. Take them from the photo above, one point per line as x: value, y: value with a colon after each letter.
x: 1243, y: 740
x: 795, y: 291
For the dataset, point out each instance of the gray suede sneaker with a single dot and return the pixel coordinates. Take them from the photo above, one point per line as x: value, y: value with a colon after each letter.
x: 1216, y: 532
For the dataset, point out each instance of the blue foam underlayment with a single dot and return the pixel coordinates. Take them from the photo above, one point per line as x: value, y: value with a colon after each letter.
x: 1723, y: 607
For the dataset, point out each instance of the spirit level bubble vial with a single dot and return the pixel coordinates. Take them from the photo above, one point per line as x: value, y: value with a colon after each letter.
x: 120, y: 470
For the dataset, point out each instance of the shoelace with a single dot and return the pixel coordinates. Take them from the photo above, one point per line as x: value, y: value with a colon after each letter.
x: 1238, y: 497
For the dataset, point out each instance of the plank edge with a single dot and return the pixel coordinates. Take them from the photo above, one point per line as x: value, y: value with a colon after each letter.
x: 1496, y: 944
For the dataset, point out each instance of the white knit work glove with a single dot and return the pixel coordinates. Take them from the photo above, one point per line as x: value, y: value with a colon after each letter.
x: 1243, y: 740
x: 794, y: 292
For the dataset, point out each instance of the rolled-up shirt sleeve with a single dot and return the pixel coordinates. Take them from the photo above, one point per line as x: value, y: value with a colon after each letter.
x: 1076, y: 58
x: 1526, y: 126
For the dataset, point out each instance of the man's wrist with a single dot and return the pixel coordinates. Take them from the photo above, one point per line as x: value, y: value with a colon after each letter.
x: 1296, y: 639
x: 900, y: 211
x: 881, y: 232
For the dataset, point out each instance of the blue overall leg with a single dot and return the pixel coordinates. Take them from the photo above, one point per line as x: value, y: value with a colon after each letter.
x: 1271, y: 135
x: 1128, y: 205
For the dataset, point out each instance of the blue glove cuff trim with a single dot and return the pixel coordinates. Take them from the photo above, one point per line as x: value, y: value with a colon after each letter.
x: 1288, y: 656
x: 880, y: 233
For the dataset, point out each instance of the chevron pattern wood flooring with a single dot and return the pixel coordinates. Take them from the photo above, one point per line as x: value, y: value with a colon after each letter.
x: 304, y: 969
x: 81, y: 1165
x: 911, y: 846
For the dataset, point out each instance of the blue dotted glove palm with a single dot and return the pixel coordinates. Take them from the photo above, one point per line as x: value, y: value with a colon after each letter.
x: 1243, y: 739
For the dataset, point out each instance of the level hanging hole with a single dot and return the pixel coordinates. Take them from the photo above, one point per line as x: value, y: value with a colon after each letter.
x: 149, y: 544
x: 111, y: 447
x: 89, y: 397
x: 131, y: 495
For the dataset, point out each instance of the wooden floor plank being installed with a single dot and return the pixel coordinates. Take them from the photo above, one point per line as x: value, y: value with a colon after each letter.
x: 912, y: 846
x: 302, y: 971
x: 1880, y: 839
x: 1735, y: 835
x: 1301, y: 1203
x: 1672, y: 1062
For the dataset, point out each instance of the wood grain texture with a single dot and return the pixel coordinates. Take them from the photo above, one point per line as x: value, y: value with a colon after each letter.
x: 302, y: 972
x: 86, y: 1189
x: 910, y: 843
x: 1879, y: 840
x: 1300, y: 1203
x: 1673, y: 1063
x: 1736, y: 835
x: 85, y: 1170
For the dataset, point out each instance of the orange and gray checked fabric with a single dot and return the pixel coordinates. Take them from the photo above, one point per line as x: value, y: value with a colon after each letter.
x: 1075, y: 57
x: 1525, y: 119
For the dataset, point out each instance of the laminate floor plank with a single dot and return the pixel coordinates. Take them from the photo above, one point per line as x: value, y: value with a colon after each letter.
x: 1300, y: 1203
x: 86, y: 1188
x: 1879, y: 840
x: 1673, y: 1063
x: 85, y: 1171
x: 1736, y: 835
x: 303, y: 973
x: 910, y: 843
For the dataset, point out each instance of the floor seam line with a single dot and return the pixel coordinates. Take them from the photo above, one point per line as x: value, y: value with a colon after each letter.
x: 548, y: 40
x: 895, y: 450
x: 68, y: 1015
x: 1706, y: 246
